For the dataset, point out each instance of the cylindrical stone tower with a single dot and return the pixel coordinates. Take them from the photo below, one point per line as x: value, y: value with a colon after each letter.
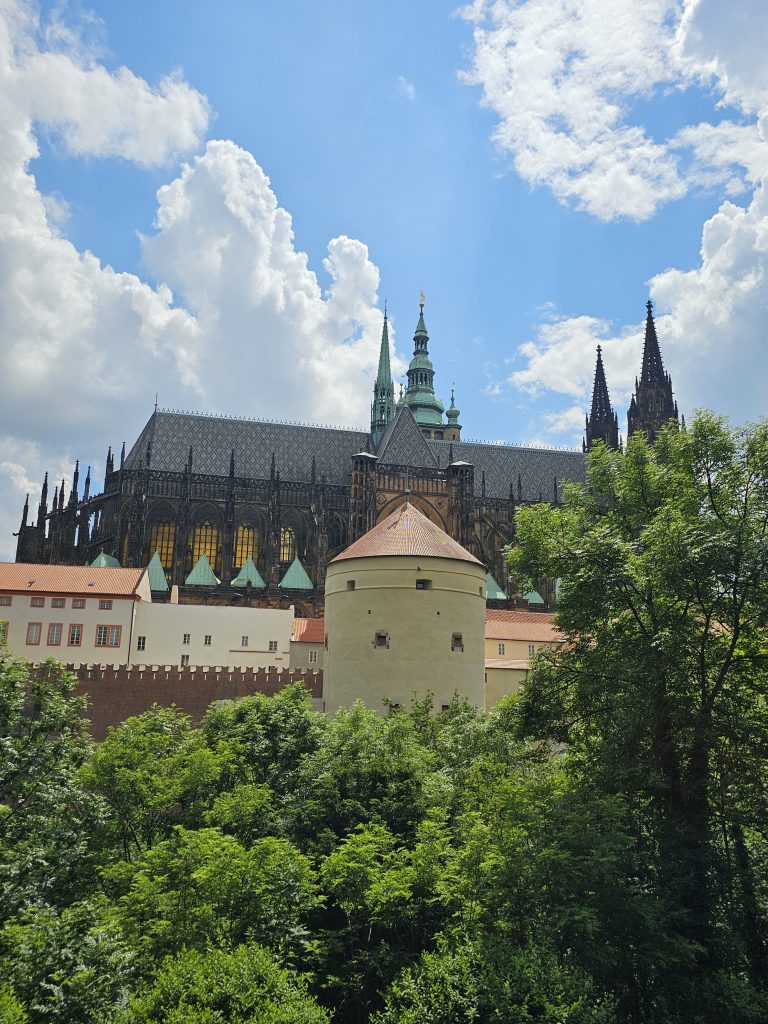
x: 404, y: 615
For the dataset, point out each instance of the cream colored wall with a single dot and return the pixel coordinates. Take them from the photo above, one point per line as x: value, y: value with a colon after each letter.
x: 164, y: 626
x: 516, y: 650
x: 419, y: 623
x: 501, y: 682
x: 300, y: 653
x: 21, y: 613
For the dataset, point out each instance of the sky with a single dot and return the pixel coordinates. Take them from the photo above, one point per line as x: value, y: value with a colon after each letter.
x: 211, y: 203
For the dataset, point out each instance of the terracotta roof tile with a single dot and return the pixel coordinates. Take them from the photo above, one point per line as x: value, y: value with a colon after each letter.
x: 25, y: 577
x: 520, y: 625
x: 309, y: 631
x: 407, y: 531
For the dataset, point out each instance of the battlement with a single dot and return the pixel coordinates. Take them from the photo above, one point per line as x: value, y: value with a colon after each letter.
x: 117, y: 692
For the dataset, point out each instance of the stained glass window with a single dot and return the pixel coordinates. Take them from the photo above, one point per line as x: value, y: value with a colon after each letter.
x: 205, y: 541
x: 247, y: 542
x: 287, y: 545
x: 161, y: 539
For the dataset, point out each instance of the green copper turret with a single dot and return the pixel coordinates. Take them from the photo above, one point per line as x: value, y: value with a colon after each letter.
x: 383, y: 405
x: 420, y: 395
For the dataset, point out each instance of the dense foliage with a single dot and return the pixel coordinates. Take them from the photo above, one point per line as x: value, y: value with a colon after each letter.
x: 593, y: 852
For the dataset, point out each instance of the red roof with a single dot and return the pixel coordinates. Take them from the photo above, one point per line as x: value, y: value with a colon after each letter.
x: 28, y: 577
x: 520, y: 625
x: 407, y: 531
x: 309, y: 631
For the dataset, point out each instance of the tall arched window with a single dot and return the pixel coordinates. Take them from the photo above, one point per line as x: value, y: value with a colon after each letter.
x: 161, y: 539
x: 205, y: 541
x: 287, y: 545
x: 247, y: 542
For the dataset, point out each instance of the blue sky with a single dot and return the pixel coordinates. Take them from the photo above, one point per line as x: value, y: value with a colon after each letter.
x: 537, y: 167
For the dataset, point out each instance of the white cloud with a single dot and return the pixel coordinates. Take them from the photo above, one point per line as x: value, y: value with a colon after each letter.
x: 85, y: 347
x: 406, y: 88
x: 564, y: 80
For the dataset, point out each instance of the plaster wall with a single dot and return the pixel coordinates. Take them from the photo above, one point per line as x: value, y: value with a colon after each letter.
x: 418, y: 624
x: 501, y: 681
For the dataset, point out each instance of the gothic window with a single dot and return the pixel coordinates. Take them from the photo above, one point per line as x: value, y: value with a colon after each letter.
x: 287, y: 545
x: 247, y: 543
x: 205, y: 541
x: 161, y: 539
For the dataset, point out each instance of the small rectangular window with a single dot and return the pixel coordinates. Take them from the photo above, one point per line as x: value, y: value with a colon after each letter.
x: 243, y: 641
x: 5, y: 600
x: 186, y: 638
x: 531, y: 650
x: 273, y: 645
x: 457, y: 642
x: 54, y: 634
x: 313, y: 657
x: 444, y: 707
x: 38, y: 602
x: 58, y: 602
x: 108, y: 636
x: 502, y: 649
x: 141, y: 643
x: 207, y: 640
x: 105, y: 605
x: 381, y: 640
x: 75, y: 635
x: 350, y: 584
x: 423, y: 584
x: 3, y: 631
x: 78, y: 602
x: 34, y: 629
x: 184, y: 659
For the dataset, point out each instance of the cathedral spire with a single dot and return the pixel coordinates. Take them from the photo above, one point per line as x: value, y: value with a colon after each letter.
x: 75, y: 484
x: 602, y: 423
x: 42, y: 510
x: 653, y: 404
x: 87, y: 487
x: 383, y: 405
x: 420, y: 395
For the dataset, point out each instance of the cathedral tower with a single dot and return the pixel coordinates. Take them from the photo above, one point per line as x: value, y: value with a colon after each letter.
x: 602, y: 422
x: 652, y: 404
x: 383, y: 405
x: 420, y: 395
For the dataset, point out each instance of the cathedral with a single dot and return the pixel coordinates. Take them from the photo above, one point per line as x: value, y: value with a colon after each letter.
x: 243, y: 511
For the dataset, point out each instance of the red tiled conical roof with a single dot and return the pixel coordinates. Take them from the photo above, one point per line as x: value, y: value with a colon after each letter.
x: 407, y: 531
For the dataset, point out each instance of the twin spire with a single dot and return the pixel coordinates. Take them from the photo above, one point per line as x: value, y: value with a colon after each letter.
x: 652, y: 404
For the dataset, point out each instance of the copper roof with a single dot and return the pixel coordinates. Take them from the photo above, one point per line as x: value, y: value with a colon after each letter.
x: 26, y: 577
x: 518, y: 625
x: 407, y: 531
x: 309, y: 631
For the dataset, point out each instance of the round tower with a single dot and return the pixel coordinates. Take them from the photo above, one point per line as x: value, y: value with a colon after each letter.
x: 404, y: 615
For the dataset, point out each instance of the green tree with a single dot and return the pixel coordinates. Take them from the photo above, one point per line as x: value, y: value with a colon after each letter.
x: 244, y: 986
x: 663, y: 562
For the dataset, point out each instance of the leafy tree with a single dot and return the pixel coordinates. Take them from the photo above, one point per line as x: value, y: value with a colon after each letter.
x: 45, y: 815
x: 247, y: 811
x: 663, y: 562
x: 244, y: 986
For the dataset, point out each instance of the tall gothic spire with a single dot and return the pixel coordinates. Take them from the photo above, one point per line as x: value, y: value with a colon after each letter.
x: 602, y: 422
x: 653, y: 404
x: 420, y: 395
x: 383, y: 405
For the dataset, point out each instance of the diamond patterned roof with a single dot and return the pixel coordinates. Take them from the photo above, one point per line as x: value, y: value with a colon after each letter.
x: 407, y: 531
x: 502, y: 463
x: 403, y: 443
x: 212, y: 438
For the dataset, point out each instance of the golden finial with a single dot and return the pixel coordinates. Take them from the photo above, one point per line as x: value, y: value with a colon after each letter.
x: 422, y: 300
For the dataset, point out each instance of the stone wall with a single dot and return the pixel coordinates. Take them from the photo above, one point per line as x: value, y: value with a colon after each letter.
x: 116, y: 692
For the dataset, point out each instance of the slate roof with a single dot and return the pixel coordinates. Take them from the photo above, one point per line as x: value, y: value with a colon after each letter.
x: 212, y: 438
x: 86, y: 580
x: 407, y: 531
x: 502, y: 463
x: 403, y: 443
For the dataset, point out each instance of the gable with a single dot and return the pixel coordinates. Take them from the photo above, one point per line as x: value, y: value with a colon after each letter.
x: 403, y: 443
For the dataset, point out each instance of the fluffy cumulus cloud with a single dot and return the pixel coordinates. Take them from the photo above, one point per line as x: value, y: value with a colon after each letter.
x: 237, y: 310
x: 564, y: 79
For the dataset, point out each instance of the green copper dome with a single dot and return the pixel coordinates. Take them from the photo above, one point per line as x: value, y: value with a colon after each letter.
x: 420, y: 395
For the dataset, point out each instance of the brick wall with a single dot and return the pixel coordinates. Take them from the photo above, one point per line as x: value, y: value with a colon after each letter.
x: 116, y: 692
